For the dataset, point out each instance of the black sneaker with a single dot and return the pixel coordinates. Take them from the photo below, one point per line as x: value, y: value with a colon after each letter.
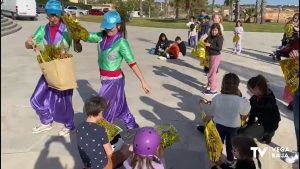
x: 214, y: 167
x: 206, y: 69
x: 201, y: 129
x: 209, y: 92
x: 278, y: 58
x: 290, y: 107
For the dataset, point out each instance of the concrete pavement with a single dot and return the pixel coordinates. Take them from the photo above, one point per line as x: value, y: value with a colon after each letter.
x: 176, y: 89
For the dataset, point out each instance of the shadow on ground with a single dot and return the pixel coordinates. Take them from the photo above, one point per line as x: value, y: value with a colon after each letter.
x: 85, y: 89
x: 254, y: 56
x: 146, y: 40
x: 162, y: 113
x: 45, y: 161
x: 184, y: 78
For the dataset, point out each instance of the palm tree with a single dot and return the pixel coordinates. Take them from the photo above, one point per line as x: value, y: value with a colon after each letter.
x: 229, y: 3
x: 166, y: 8
x: 212, y: 6
x: 256, y: 10
x: 262, y: 11
x: 141, y: 8
x: 187, y: 6
x: 177, y: 4
x: 237, y: 10
x: 250, y: 12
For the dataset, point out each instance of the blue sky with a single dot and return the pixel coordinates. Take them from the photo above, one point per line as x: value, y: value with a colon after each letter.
x: 269, y: 2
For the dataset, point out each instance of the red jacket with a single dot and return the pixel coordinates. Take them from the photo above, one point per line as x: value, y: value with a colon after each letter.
x: 174, y: 50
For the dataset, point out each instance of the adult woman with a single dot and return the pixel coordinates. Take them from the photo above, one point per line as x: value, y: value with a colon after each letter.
x: 112, y: 49
x: 49, y: 103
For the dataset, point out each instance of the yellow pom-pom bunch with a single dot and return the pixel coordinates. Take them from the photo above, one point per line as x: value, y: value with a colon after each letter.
x: 236, y: 38
x: 52, y: 52
x: 112, y: 130
x: 77, y: 31
x: 213, y: 141
x: 168, y: 135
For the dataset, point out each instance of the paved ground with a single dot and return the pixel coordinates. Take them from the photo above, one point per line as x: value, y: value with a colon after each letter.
x: 176, y: 90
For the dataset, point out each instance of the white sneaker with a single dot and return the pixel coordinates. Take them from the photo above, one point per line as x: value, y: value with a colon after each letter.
x: 207, y: 87
x: 292, y: 159
x: 42, y: 127
x: 162, y: 58
x: 168, y: 56
x: 64, y: 132
x: 117, y: 146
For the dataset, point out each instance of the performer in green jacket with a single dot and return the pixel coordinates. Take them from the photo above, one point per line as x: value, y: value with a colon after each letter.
x: 112, y: 49
x: 52, y: 40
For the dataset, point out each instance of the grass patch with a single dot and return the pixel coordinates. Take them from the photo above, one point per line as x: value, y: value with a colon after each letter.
x: 180, y: 24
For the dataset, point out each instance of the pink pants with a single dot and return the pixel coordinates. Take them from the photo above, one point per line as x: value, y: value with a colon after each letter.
x: 214, y: 62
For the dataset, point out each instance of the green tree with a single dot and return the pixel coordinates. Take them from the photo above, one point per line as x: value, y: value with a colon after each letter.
x: 250, y: 13
x: 176, y: 4
x: 148, y: 4
x: 123, y: 7
x: 133, y: 4
x: 193, y: 7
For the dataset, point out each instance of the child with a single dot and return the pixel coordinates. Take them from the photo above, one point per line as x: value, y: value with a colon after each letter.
x: 238, y: 31
x: 226, y: 111
x: 147, y: 150
x: 94, y: 148
x: 264, y: 108
x: 192, y: 33
x: 172, y: 52
x: 214, y: 44
x: 199, y: 26
x: 205, y: 26
x: 241, y: 149
x: 162, y: 44
x: 216, y: 19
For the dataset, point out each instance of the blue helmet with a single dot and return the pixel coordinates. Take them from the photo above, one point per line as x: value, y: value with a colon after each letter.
x: 53, y: 7
x: 111, y: 18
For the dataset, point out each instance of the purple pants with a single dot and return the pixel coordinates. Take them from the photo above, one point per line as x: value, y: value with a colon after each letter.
x: 214, y: 62
x: 238, y: 46
x: 113, y: 92
x: 53, y: 105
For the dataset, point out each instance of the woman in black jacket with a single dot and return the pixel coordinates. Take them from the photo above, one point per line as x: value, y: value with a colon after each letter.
x: 162, y: 44
x: 264, y: 115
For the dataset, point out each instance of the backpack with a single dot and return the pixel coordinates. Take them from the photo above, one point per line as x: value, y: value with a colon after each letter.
x: 192, y: 27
